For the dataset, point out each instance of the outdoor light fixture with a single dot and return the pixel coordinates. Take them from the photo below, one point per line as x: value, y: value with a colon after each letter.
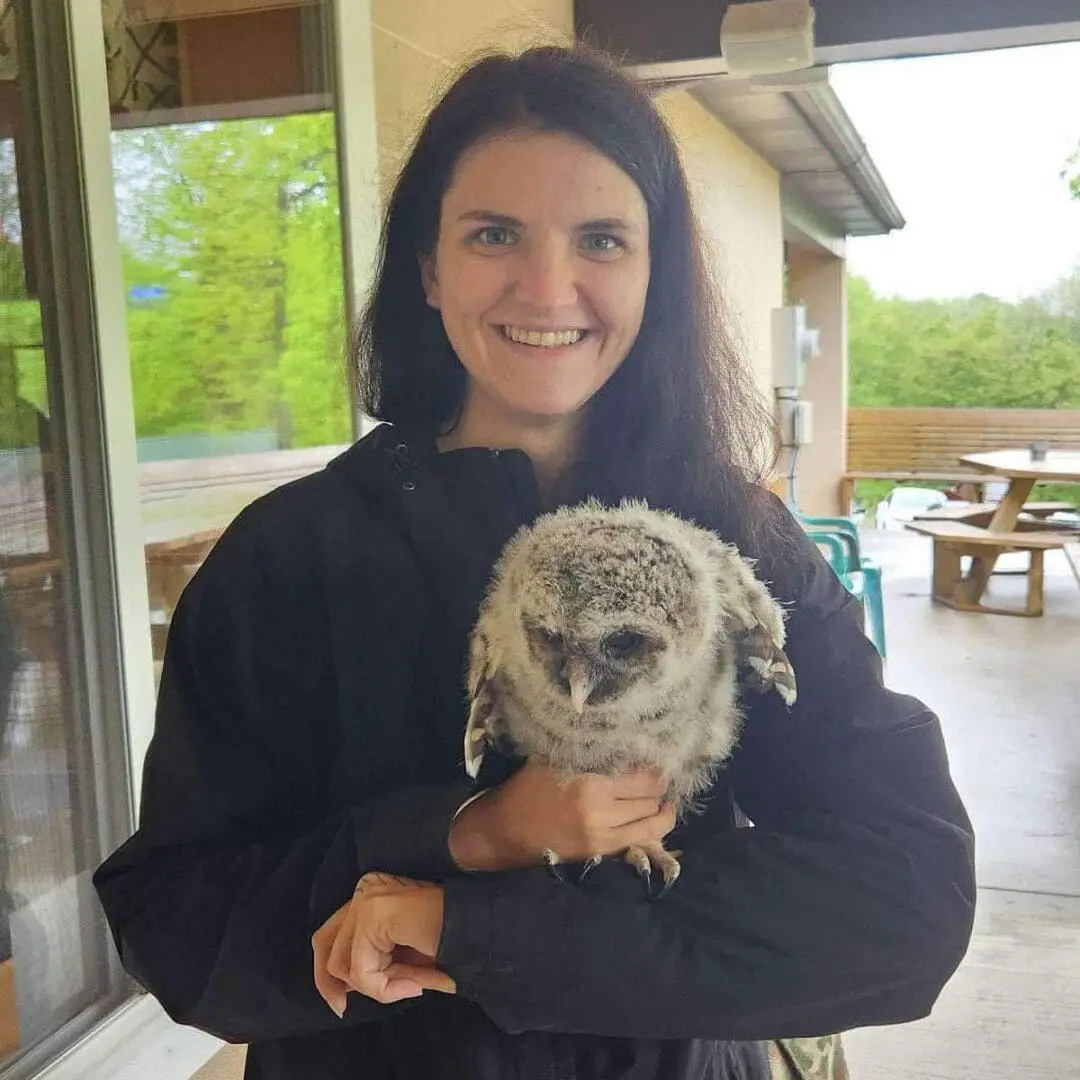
x: 765, y: 37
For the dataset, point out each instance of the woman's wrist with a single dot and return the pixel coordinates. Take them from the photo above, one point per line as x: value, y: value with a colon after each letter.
x: 472, y: 842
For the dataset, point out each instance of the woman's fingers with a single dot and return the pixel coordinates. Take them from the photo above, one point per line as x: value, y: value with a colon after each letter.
x: 626, y: 811
x: 647, y: 783
x: 357, y: 947
x: 647, y: 831
x: 332, y: 989
x: 403, y: 954
x: 420, y: 976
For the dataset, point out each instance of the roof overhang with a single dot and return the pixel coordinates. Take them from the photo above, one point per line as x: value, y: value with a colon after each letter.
x: 798, y: 125
x: 681, y: 38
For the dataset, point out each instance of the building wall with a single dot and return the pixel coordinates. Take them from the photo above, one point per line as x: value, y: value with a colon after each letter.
x: 817, y: 279
x: 737, y: 195
x: 418, y: 47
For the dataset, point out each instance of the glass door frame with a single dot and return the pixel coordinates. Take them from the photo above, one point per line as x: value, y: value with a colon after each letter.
x: 70, y: 327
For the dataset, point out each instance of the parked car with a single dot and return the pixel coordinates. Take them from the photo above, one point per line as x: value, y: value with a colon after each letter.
x: 1069, y: 518
x: 902, y: 504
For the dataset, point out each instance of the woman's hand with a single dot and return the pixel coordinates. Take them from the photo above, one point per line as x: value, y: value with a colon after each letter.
x: 576, y: 817
x: 382, y: 943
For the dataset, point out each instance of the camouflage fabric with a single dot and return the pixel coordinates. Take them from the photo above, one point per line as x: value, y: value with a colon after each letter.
x: 808, y: 1059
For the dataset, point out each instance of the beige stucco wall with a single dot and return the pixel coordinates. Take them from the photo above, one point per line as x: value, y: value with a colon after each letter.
x: 817, y: 279
x: 737, y: 194
x: 417, y: 46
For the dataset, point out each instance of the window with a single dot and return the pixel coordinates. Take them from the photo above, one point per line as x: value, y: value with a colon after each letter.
x: 225, y: 158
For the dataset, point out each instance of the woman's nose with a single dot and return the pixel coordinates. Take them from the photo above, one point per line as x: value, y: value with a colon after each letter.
x: 547, y: 277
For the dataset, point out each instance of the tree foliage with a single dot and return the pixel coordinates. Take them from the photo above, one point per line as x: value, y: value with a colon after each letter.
x: 1071, y: 173
x: 979, y: 352
x: 232, y: 260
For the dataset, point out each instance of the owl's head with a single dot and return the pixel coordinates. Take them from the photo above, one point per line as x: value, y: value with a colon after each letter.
x: 609, y: 610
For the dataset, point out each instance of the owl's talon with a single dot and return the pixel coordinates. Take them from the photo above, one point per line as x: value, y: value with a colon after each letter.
x: 646, y: 880
x: 646, y: 859
x: 590, y: 864
x: 553, y: 866
x: 669, y: 880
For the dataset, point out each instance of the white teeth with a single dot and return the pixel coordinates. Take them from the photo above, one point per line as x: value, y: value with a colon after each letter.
x: 548, y: 339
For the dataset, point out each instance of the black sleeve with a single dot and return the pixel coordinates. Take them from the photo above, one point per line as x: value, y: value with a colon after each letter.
x: 240, y: 854
x: 850, y: 902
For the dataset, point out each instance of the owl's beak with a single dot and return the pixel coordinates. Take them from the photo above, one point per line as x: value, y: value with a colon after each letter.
x: 581, y: 685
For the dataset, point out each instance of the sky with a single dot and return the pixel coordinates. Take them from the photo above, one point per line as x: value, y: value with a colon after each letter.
x: 971, y: 147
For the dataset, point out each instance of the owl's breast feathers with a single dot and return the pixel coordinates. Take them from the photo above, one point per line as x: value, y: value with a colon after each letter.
x: 570, y: 582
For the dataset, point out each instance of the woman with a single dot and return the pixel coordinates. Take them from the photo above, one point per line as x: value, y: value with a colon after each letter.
x: 541, y: 328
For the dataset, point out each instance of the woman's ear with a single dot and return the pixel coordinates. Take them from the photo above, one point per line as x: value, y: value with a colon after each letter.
x: 429, y: 280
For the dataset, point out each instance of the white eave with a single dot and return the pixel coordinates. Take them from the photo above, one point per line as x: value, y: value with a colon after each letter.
x: 798, y: 125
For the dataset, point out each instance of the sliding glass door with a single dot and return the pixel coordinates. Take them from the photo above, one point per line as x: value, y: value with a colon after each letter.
x: 63, y: 776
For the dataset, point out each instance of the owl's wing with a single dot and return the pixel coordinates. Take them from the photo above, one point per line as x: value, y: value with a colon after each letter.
x: 766, y: 665
x: 756, y: 624
x: 485, y: 727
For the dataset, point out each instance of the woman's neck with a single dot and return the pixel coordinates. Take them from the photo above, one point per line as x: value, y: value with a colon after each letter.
x: 552, y: 445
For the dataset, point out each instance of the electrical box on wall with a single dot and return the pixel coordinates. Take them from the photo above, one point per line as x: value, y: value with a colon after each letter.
x: 802, y: 423
x: 793, y: 344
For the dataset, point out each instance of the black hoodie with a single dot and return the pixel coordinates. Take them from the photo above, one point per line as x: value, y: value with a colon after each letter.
x: 309, y: 729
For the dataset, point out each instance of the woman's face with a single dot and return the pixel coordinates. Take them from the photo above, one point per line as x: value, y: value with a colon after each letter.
x: 540, y: 274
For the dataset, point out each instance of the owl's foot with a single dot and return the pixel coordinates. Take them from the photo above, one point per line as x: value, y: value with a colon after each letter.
x: 552, y: 860
x: 649, y: 858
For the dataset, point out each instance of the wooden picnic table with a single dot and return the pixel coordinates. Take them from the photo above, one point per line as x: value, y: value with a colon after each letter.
x: 1023, y: 473
x: 985, y: 533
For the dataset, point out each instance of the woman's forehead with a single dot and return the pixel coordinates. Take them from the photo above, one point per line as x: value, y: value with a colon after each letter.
x: 542, y: 172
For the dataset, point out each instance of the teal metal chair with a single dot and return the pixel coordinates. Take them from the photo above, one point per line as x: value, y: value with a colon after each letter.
x: 838, y: 539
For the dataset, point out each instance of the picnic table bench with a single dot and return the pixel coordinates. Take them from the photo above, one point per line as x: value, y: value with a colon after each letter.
x: 955, y: 539
x: 986, y: 531
x: 1034, y: 515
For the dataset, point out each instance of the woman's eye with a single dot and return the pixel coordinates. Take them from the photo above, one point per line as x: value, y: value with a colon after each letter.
x: 494, y: 236
x: 602, y: 243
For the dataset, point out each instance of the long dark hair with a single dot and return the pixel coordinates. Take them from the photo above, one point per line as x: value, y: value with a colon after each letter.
x: 680, y: 422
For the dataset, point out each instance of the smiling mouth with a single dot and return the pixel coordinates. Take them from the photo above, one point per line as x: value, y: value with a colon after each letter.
x: 545, y: 339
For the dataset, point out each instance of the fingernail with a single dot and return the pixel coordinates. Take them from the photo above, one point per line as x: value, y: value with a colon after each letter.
x: 338, y: 1010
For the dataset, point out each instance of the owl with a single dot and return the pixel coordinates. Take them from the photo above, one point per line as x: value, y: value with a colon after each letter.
x: 617, y: 639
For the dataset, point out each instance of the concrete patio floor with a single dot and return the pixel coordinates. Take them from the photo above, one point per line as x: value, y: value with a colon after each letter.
x: 1008, y: 692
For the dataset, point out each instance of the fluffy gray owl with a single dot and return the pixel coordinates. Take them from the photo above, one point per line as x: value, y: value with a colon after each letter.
x: 612, y: 640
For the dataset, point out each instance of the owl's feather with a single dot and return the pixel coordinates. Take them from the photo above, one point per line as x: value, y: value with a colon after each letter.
x: 617, y: 639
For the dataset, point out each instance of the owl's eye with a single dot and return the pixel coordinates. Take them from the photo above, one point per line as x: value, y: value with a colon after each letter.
x: 551, y: 638
x: 624, y: 643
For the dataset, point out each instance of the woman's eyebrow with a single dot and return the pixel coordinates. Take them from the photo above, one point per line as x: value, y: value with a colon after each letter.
x: 608, y: 224
x: 492, y: 218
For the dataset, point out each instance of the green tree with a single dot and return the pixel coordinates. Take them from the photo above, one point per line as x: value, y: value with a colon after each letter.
x: 237, y: 226
x: 969, y: 353
x: 1071, y: 172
